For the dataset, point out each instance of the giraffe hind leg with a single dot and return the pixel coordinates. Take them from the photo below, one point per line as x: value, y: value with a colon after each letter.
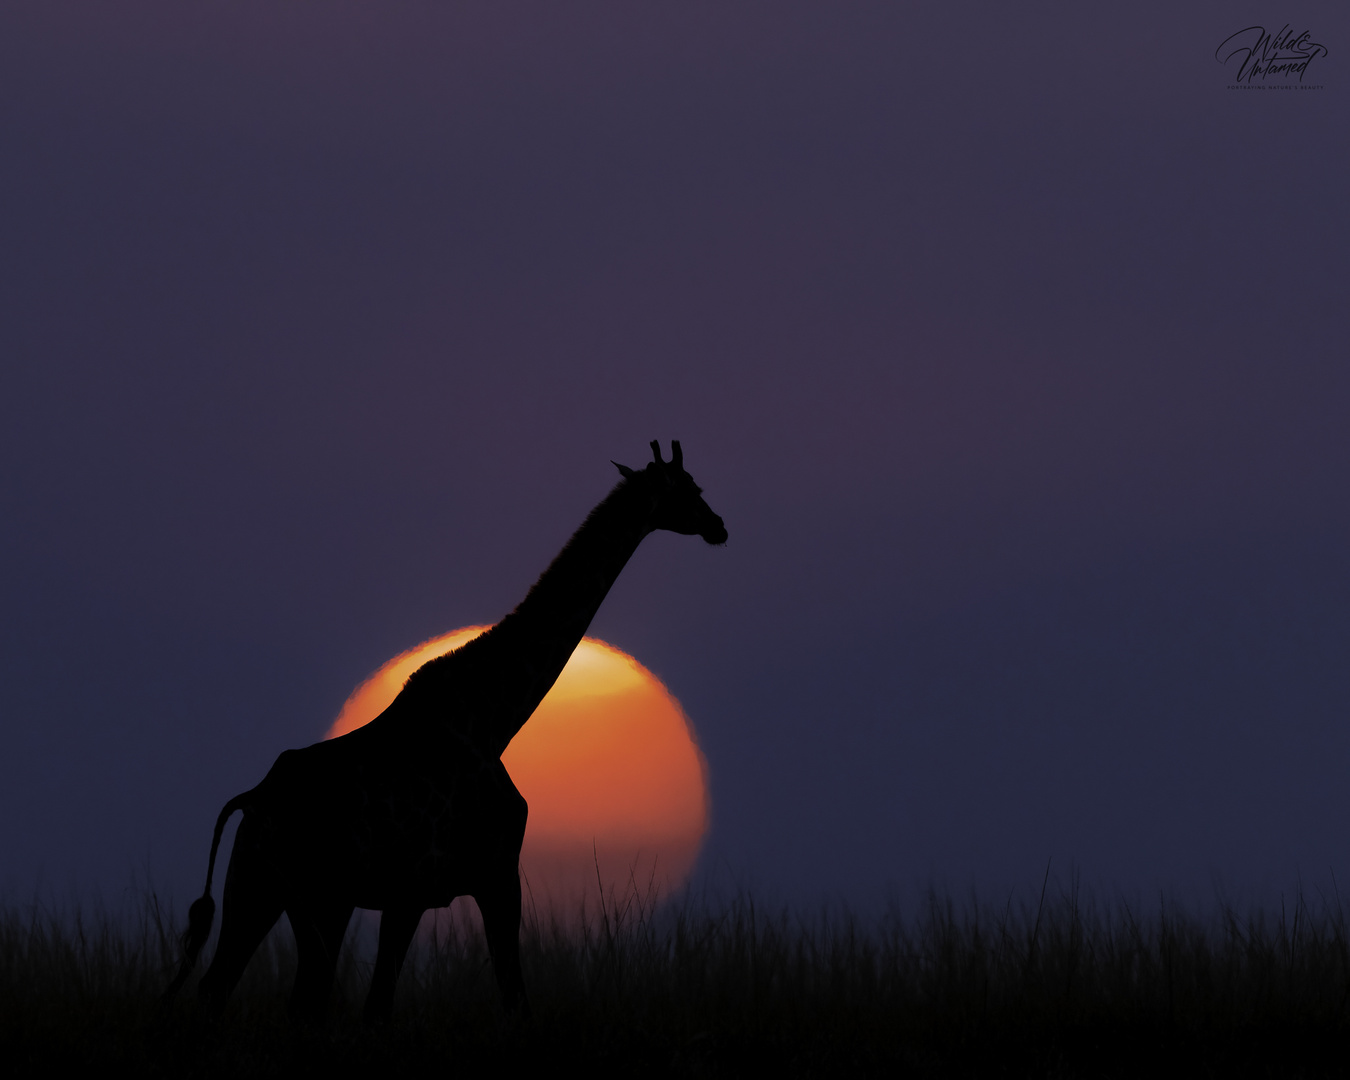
x: 250, y: 907
x: 397, y: 927
x: 319, y: 930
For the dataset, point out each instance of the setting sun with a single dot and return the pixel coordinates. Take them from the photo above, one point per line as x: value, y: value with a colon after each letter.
x: 608, y: 763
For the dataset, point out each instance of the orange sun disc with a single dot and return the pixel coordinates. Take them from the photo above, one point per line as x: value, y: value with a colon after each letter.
x: 610, y: 767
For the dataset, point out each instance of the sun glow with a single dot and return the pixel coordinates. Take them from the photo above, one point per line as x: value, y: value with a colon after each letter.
x: 608, y: 763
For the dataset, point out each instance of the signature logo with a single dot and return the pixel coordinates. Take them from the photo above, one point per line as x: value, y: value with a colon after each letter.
x: 1263, y: 56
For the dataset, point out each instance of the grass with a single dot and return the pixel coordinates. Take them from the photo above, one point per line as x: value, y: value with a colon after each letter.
x: 1060, y: 987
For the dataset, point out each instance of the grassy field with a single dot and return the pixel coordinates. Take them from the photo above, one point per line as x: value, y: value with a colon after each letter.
x: 1059, y: 987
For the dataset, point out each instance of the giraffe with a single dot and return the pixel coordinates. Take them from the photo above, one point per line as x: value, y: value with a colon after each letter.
x: 416, y: 808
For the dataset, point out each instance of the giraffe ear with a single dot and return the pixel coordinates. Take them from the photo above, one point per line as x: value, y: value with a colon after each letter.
x: 624, y: 470
x: 676, y: 454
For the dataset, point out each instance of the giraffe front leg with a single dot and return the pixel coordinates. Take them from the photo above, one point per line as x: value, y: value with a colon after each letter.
x: 500, y: 908
x: 397, y: 927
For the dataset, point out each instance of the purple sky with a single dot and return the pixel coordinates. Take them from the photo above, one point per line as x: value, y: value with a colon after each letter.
x: 1008, y: 341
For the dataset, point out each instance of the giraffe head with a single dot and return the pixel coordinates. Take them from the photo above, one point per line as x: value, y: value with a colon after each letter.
x: 678, y: 501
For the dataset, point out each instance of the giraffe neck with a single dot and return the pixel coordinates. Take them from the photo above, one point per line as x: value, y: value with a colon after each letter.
x: 497, y: 680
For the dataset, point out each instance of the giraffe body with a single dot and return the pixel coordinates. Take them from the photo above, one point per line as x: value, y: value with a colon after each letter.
x: 416, y: 808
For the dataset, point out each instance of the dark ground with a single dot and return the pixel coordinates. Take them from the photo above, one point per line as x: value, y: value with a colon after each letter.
x: 1066, y: 988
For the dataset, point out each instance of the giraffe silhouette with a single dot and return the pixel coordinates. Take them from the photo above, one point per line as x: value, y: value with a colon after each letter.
x: 416, y: 808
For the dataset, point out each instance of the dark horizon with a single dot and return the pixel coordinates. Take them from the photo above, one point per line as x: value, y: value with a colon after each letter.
x: 1009, y: 345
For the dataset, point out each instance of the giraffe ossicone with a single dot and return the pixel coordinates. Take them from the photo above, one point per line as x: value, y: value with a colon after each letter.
x: 415, y: 808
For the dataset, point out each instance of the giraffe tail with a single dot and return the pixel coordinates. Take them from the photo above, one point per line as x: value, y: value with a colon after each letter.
x: 202, y: 913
